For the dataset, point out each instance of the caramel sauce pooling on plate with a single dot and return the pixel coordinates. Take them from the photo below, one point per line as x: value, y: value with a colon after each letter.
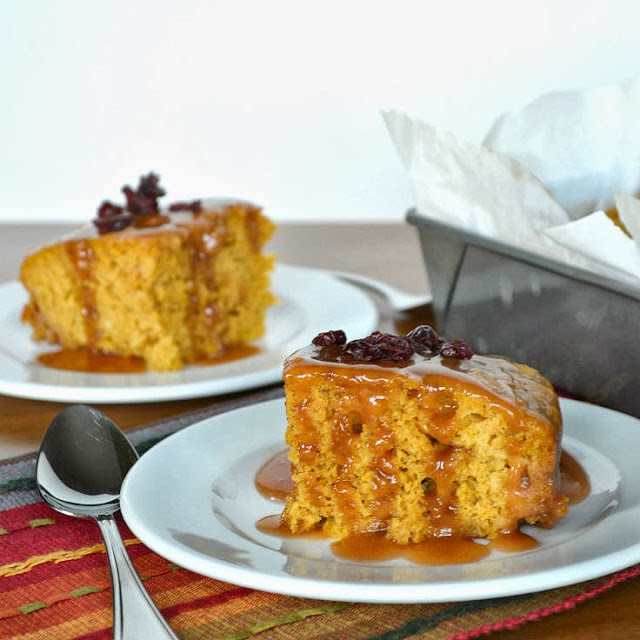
x: 89, y: 361
x: 273, y: 480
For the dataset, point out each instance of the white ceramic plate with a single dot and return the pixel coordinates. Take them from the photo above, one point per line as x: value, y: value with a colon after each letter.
x: 191, y: 499
x: 310, y: 301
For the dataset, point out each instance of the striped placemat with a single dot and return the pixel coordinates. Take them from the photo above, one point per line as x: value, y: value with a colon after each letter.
x: 54, y: 580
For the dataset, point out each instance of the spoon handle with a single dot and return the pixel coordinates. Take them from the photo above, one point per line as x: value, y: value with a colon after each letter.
x: 135, y: 616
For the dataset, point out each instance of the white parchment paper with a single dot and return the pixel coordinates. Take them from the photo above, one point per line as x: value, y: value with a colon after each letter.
x: 541, y: 179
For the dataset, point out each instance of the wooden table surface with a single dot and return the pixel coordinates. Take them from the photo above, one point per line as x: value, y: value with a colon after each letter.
x: 388, y: 252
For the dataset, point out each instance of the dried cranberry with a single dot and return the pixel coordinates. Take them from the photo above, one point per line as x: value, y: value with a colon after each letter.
x: 139, y: 204
x: 362, y: 349
x: 141, y: 207
x: 457, y: 349
x: 379, y: 347
x: 144, y: 200
x: 425, y: 340
x: 109, y: 210
x: 111, y: 217
x: 194, y: 206
x: 329, y: 338
x: 114, y: 223
x: 149, y: 186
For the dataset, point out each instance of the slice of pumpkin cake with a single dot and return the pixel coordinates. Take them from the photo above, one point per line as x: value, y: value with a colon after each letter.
x: 418, y: 438
x: 172, y: 286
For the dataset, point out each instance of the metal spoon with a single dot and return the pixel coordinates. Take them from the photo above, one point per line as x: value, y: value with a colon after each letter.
x: 82, y: 462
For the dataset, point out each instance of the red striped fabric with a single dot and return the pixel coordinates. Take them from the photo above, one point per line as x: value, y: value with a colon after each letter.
x: 54, y: 583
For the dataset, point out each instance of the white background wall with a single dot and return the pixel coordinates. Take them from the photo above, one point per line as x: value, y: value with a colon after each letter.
x: 276, y: 101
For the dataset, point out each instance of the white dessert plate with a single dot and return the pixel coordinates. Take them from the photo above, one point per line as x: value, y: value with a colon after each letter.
x: 310, y: 301
x: 192, y: 499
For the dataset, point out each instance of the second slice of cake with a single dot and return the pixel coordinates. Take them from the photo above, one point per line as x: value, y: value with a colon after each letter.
x: 170, y: 286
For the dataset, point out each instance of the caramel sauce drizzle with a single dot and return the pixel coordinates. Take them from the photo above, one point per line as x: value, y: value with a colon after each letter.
x: 82, y: 257
x: 253, y: 229
x: 273, y: 481
x: 202, y: 243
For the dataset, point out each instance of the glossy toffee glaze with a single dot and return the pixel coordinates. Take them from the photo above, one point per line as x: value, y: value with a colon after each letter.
x: 491, y: 374
x: 88, y: 361
x: 273, y: 481
x: 82, y: 258
x: 202, y: 232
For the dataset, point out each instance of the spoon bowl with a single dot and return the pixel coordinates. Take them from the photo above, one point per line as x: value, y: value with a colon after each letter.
x: 82, y: 462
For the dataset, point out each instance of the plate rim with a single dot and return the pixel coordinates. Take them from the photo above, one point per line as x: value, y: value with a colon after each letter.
x: 443, y: 591
x: 149, y: 392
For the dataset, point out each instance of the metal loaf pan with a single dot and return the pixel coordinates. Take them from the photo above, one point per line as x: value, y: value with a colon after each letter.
x: 579, y: 329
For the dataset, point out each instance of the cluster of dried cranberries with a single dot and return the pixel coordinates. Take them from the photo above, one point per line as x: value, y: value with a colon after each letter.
x: 386, y: 347
x: 141, y: 208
